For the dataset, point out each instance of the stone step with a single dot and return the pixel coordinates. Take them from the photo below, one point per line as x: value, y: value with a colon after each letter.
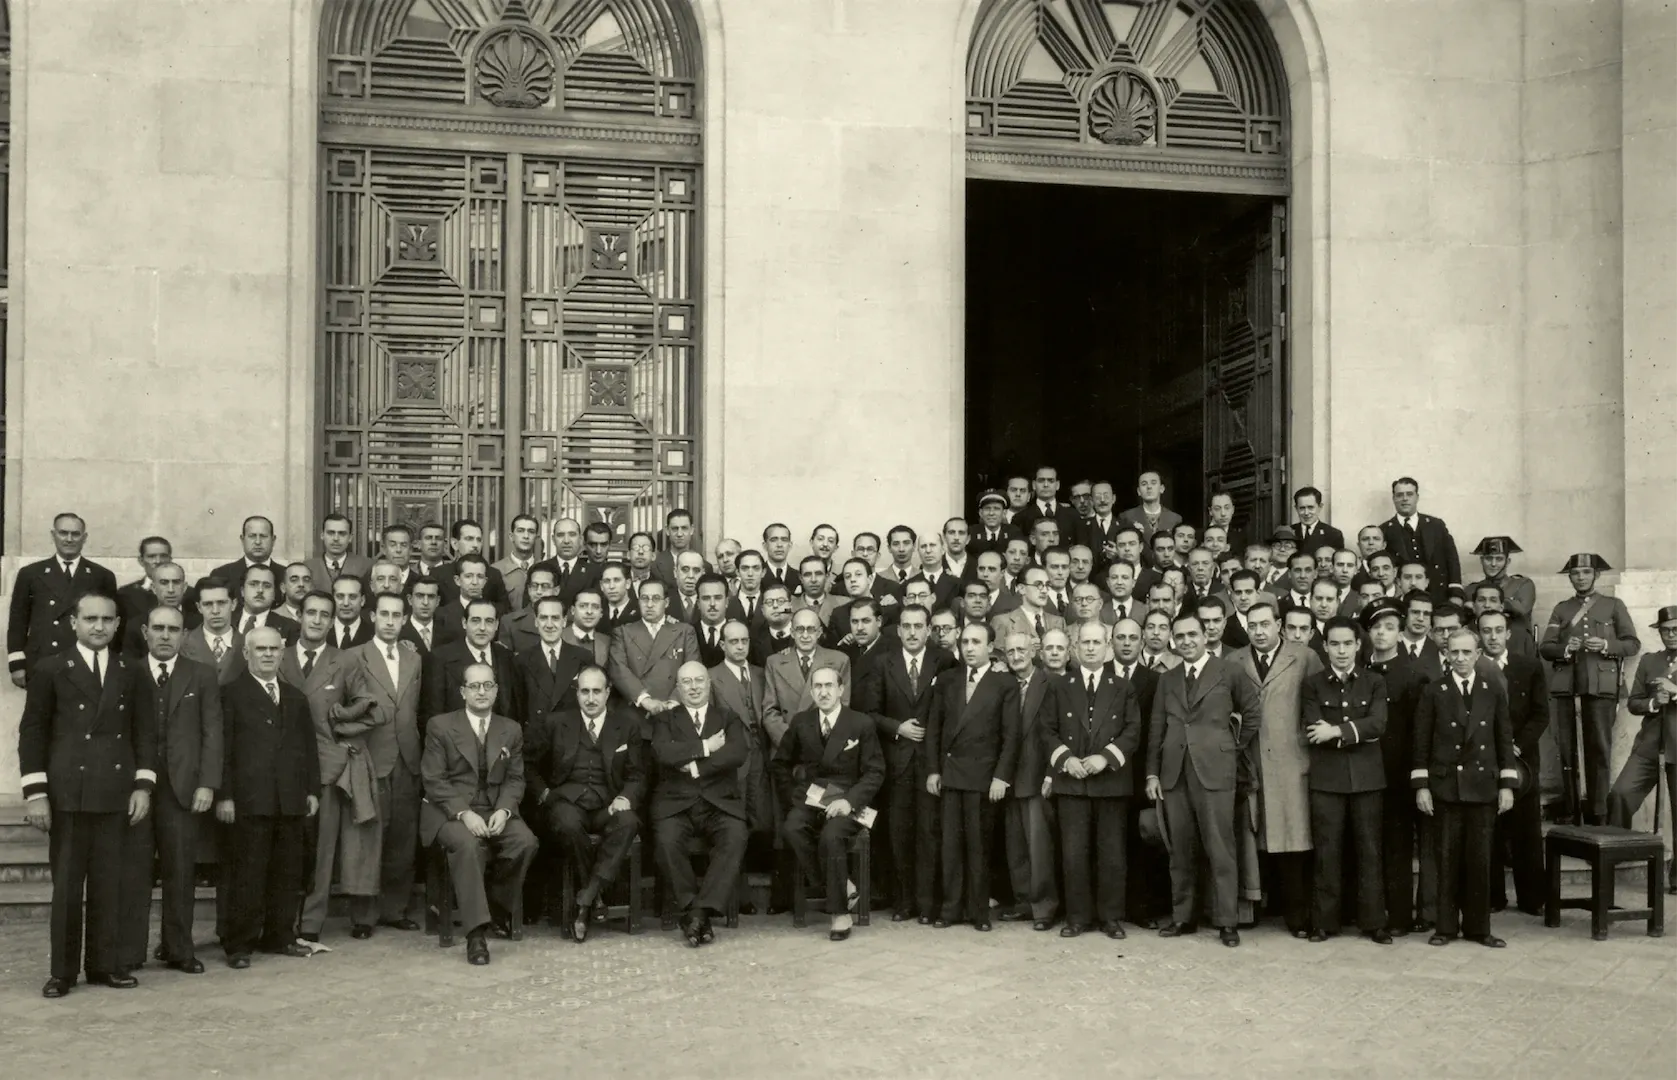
x: 25, y: 860
x: 31, y: 901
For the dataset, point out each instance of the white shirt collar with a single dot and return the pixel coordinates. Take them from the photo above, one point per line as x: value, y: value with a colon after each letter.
x: 480, y: 725
x: 1198, y: 666
x: 653, y: 627
x: 160, y: 665
x: 88, y: 656
x: 829, y: 720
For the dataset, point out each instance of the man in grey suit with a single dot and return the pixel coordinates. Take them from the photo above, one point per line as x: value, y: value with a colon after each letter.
x: 738, y: 686
x: 336, y: 560
x: 216, y: 643
x: 786, y: 675
x: 386, y: 678
x: 646, y: 653
x: 1193, y: 753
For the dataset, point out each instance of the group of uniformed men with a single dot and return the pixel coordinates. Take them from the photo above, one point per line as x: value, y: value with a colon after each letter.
x: 1134, y: 719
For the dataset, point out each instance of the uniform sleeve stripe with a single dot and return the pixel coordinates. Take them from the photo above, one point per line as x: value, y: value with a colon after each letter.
x: 1055, y: 756
x: 1510, y: 774
x: 13, y: 656
x: 34, y: 778
x: 1112, y: 748
x: 146, y: 775
x: 1417, y: 774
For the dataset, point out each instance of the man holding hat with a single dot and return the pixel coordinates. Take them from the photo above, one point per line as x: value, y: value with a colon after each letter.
x: 1588, y: 639
x: 1519, y: 832
x: 1401, y: 824
x: 1653, y: 696
x: 1519, y: 593
x: 992, y: 533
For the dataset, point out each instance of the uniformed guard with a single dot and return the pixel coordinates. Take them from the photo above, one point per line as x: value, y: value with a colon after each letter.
x: 1404, y: 831
x: 1587, y: 641
x: 1463, y: 773
x: 44, y: 595
x: 1653, y: 696
x: 1519, y: 593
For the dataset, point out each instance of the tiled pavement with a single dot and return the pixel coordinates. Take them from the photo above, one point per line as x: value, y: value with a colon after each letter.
x: 894, y: 1001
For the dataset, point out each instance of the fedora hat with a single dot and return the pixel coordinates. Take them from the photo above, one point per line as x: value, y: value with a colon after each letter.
x: 1526, y: 778
x: 1668, y: 614
x: 1154, y: 831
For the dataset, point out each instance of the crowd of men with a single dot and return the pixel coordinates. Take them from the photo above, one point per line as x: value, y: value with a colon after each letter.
x: 1125, y: 717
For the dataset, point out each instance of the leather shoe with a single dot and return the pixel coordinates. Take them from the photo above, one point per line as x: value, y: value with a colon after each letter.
x: 238, y: 963
x: 1113, y: 931
x: 1319, y: 936
x: 707, y: 933
x: 690, y: 930
x: 1228, y: 935
x: 56, y: 987
x: 1014, y: 916
x: 579, y: 926
x: 399, y: 924
x: 901, y: 916
x: 361, y: 931
x: 1070, y: 930
x: 1148, y: 924
x: 290, y: 948
x: 838, y: 935
x: 982, y: 927
x: 116, y: 980
x: 477, y: 948
x: 1381, y: 937
x: 1421, y: 926
x: 940, y: 924
x: 1043, y: 924
x: 1438, y: 939
x: 157, y: 953
x: 188, y: 967
x: 1491, y: 941
x: 1177, y: 929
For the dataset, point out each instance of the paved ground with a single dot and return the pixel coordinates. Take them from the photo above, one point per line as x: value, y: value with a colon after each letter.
x: 894, y: 1001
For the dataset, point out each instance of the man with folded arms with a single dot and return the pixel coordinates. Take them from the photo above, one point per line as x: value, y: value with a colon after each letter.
x: 1093, y: 738
x: 834, y: 749
x: 586, y: 767
x: 473, y: 771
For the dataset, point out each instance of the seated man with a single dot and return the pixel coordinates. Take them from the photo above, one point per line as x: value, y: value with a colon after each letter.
x: 473, y: 772
x: 586, y: 768
x: 828, y: 747
x: 699, y: 748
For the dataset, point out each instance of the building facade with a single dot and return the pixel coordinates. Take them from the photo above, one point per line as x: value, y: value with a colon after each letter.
x: 606, y: 257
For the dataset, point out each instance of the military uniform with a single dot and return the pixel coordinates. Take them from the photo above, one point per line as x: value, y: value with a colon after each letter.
x: 43, y: 599
x: 1519, y: 595
x: 1592, y: 679
x: 1347, y: 785
x: 1656, y: 738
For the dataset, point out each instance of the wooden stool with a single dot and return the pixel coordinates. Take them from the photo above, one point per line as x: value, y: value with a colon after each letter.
x: 861, y: 850
x: 629, y: 912
x: 1604, y: 847
x: 667, y: 916
x: 439, y: 907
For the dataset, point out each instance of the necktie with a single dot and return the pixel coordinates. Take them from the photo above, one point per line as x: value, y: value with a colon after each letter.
x: 425, y: 634
x: 586, y: 639
x: 594, y: 728
x: 162, y: 675
x: 308, y: 662
x: 972, y: 681
x: 1262, y: 664
x: 98, y: 672
x: 483, y: 658
x: 336, y: 568
x: 750, y: 606
x: 1090, y: 676
x: 553, y: 661
x: 803, y: 665
x: 826, y: 726
x: 250, y: 621
x: 1191, y: 680
x: 698, y: 724
x: 712, y: 631
x: 390, y: 653
x: 1039, y: 627
x: 564, y: 571
x: 218, y: 648
x: 273, y: 691
x: 914, y: 676
x: 1415, y: 651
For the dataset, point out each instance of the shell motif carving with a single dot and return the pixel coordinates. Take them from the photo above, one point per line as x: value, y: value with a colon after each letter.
x: 1122, y: 111
x: 515, y: 69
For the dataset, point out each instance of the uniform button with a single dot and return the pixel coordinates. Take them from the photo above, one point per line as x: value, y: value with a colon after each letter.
x: 89, y: 738
x: 81, y: 768
x: 81, y: 706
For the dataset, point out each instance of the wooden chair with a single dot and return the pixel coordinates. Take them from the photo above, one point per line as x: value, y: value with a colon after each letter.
x: 1604, y: 847
x: 861, y: 848
x: 629, y: 912
x: 439, y: 896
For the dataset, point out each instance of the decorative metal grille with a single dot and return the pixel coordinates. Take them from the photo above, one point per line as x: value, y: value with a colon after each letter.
x: 509, y: 260
x: 1184, y: 87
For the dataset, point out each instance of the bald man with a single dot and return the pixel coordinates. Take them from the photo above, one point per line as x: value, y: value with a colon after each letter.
x: 270, y: 778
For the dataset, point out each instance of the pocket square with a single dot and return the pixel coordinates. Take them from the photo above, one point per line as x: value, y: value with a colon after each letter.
x: 853, y: 744
x: 189, y: 693
x: 329, y: 686
x: 621, y: 749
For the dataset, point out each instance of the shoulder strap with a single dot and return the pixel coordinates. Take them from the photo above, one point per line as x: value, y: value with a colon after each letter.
x: 1583, y: 610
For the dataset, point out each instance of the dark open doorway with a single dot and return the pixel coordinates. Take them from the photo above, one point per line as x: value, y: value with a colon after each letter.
x: 1094, y: 316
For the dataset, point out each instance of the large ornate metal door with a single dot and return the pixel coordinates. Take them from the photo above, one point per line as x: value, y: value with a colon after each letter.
x: 1245, y: 393
x: 509, y: 256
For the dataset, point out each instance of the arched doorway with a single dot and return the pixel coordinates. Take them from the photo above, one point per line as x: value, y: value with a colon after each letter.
x: 1128, y: 177
x: 509, y: 261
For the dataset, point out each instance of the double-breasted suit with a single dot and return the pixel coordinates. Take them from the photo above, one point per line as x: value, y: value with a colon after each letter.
x: 847, y: 757
x: 1428, y: 542
x: 84, y: 747
x: 644, y: 664
x: 445, y: 674
x: 786, y: 686
x: 575, y: 775
x: 697, y: 793
x: 1093, y: 811
x: 972, y: 739
x: 1347, y: 785
x: 185, y: 711
x: 1195, y: 739
x: 43, y: 599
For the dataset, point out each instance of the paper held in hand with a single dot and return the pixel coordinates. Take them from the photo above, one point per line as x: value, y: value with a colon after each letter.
x: 824, y: 796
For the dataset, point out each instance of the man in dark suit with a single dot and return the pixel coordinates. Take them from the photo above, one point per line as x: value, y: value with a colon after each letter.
x: 1312, y: 532
x: 993, y: 532
x: 352, y: 627
x: 518, y: 627
x: 180, y: 701
x: 584, y: 629
x: 1029, y: 825
x: 256, y: 603
x: 1045, y: 503
x: 1415, y: 537
x: 445, y: 673
x: 256, y: 536
x: 466, y: 539
x: 771, y: 631
x: 1519, y: 833
x: 1147, y: 881
x: 1462, y: 770
x: 549, y: 668
x: 621, y: 604
x: 746, y: 600
x: 895, y: 689
x: 586, y: 767
x: 777, y: 546
x: 44, y: 594
x: 166, y: 587
x: 473, y: 770
x: 710, y: 616
x: 420, y: 632
x: 573, y: 570
x: 1403, y: 828
x: 699, y: 747
x: 829, y: 753
x: 88, y: 764
x: 270, y: 785
x: 1092, y: 739
x: 136, y: 598
x: 1343, y: 713
x: 336, y: 559
x: 1194, y: 749
x: 971, y: 750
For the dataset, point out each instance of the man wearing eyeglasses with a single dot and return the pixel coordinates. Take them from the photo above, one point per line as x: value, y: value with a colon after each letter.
x: 473, y: 770
x: 1031, y: 617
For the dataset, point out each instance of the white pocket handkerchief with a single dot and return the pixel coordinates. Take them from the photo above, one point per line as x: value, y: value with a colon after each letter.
x: 853, y: 744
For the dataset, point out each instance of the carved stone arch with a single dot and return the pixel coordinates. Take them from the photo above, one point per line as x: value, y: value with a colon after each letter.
x: 1160, y: 88
x: 509, y: 261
